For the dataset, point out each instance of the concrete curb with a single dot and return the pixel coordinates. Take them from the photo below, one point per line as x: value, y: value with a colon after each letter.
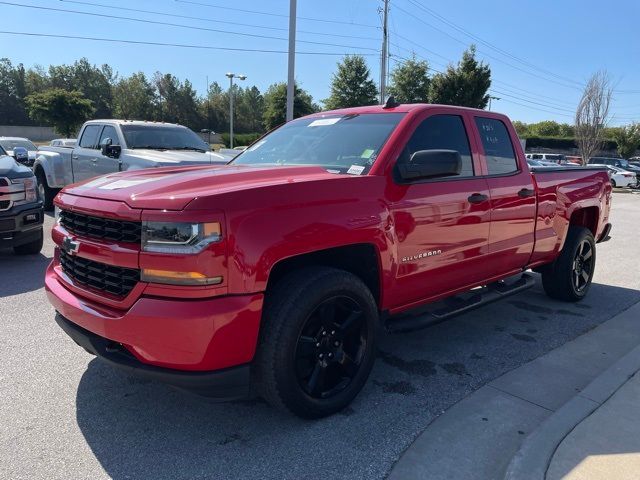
x: 536, y: 452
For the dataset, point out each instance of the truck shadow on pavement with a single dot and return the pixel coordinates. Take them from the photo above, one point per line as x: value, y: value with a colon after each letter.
x: 141, y: 429
x: 21, y: 273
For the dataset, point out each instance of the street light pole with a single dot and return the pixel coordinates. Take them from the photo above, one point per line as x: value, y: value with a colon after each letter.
x: 231, y: 76
x: 291, y: 78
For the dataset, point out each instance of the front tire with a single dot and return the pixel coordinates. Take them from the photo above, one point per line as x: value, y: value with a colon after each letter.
x: 47, y: 194
x: 317, y: 343
x: 30, y: 248
x: 613, y: 183
x: 569, y: 277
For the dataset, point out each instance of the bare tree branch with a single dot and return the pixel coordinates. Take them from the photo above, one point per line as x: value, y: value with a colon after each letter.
x: 592, y: 114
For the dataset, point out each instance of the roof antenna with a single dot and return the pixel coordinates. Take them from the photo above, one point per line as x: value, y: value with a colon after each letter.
x: 391, y: 103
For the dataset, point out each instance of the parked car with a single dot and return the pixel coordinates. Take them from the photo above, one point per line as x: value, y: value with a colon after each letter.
x: 10, y: 143
x: 616, y: 162
x: 619, y: 177
x: 107, y: 146
x: 277, y: 269
x: 63, y: 142
x: 21, y: 214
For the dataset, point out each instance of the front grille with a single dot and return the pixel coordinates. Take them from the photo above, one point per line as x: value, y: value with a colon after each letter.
x: 103, y: 228
x: 8, y: 225
x: 107, y: 278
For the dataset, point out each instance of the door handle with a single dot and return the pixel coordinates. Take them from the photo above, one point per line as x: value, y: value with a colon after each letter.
x: 526, y: 192
x: 74, y: 157
x: 94, y: 160
x: 477, y: 198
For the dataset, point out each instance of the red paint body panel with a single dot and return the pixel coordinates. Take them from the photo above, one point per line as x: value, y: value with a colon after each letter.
x: 272, y: 214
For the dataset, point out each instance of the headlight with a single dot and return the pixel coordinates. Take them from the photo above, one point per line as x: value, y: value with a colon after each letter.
x: 30, y: 192
x: 180, y: 238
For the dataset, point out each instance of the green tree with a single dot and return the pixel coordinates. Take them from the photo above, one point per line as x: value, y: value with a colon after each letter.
x: 135, y: 98
x: 249, y: 110
x: 410, y: 81
x: 12, y: 93
x: 275, y: 105
x: 522, y: 129
x: 567, y: 130
x: 547, y: 128
x: 65, y: 110
x: 94, y: 82
x: 628, y: 139
x: 466, y: 84
x: 178, y: 101
x: 351, y: 85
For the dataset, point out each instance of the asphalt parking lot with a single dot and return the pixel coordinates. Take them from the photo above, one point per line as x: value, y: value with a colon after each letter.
x: 64, y: 414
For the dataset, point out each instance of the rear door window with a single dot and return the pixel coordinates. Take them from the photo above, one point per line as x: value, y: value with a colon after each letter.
x: 90, y: 135
x: 498, y: 149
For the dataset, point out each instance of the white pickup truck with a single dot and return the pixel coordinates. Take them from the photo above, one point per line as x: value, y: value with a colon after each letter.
x: 107, y: 146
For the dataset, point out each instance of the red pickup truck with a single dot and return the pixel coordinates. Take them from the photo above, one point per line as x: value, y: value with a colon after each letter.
x: 273, y: 273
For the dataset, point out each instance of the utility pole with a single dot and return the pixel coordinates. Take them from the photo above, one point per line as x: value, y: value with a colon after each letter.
x: 492, y: 98
x: 385, y: 48
x: 291, y: 78
x: 231, y: 76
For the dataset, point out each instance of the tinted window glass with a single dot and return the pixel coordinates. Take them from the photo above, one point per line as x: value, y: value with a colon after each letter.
x: 90, y: 136
x: 109, y: 132
x: 441, y: 132
x: 501, y: 158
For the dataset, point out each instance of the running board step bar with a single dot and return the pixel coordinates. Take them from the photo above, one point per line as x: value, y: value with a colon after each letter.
x: 450, y: 307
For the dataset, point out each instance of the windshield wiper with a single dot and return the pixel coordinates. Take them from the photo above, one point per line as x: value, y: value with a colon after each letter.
x: 195, y: 149
x: 148, y: 147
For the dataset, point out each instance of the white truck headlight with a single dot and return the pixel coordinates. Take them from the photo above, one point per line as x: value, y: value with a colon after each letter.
x: 30, y: 190
x: 178, y: 237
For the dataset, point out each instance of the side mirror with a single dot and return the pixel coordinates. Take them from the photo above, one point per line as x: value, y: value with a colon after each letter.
x: 426, y: 164
x: 110, y: 150
x: 21, y: 155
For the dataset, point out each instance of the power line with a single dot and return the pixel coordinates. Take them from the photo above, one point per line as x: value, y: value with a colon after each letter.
x: 190, y: 27
x: 271, y: 14
x: 421, y: 20
x: 179, y: 45
x: 489, y: 44
x: 212, y: 20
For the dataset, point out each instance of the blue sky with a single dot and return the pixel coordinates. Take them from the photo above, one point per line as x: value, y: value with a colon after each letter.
x: 540, y: 52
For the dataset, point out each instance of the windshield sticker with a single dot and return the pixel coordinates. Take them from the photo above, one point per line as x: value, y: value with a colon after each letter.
x: 355, y: 170
x: 332, y: 171
x: 323, y: 122
x: 367, y: 153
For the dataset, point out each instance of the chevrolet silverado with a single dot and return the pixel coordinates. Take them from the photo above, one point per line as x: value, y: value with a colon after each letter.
x: 273, y: 274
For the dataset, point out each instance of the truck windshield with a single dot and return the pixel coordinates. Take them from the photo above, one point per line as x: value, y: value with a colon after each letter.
x: 340, y: 144
x: 162, y: 137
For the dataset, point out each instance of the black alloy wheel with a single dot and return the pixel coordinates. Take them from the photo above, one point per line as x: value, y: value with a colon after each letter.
x: 331, y: 347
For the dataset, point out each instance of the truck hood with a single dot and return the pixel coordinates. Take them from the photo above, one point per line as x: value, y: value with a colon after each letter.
x: 173, y: 188
x: 11, y: 169
x: 164, y: 158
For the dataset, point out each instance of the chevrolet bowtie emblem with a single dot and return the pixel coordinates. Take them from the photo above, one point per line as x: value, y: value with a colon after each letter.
x: 70, y: 247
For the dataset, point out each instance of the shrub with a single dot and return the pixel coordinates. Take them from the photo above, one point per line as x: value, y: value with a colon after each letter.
x: 240, y: 139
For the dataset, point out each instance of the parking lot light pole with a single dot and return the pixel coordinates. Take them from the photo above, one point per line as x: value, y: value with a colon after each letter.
x: 231, y: 76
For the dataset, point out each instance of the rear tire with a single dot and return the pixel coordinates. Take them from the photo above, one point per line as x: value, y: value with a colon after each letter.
x: 30, y: 248
x: 47, y: 194
x: 317, y: 343
x: 569, y: 277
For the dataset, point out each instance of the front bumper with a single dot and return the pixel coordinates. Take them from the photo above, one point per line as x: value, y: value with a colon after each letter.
x: 171, y: 337
x: 21, y: 225
x: 227, y: 384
